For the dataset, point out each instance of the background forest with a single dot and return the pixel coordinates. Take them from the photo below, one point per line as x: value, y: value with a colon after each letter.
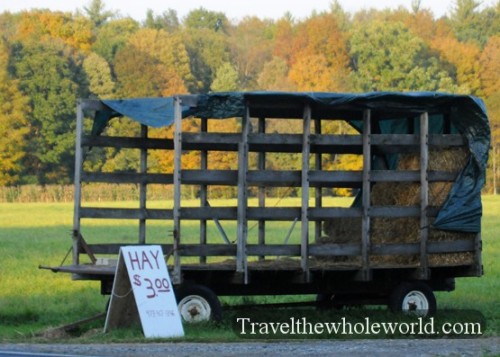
x: 49, y: 59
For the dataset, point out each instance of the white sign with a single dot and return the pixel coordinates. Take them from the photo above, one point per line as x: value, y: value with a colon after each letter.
x: 149, y: 281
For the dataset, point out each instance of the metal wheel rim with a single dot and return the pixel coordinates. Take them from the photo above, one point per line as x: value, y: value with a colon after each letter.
x: 415, y: 302
x: 194, y: 308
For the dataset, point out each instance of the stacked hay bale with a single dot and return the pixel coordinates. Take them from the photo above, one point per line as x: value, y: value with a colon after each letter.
x: 387, y: 230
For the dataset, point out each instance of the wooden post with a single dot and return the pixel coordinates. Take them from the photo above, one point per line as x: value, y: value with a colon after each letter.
x: 262, y: 190
x: 143, y: 187
x: 77, y: 182
x: 241, y: 258
x: 365, y: 273
x: 176, y: 276
x: 424, y: 194
x: 203, y: 190
x: 318, y: 196
x: 306, y: 150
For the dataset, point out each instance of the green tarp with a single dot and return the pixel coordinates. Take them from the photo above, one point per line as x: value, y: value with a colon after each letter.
x: 462, y: 210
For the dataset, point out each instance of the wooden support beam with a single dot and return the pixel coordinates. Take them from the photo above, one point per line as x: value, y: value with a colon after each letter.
x: 318, y: 197
x: 78, y: 182
x: 424, y: 195
x: 143, y: 186
x: 242, y: 219
x: 176, y: 276
x: 306, y: 147
x: 262, y: 189
x: 365, y: 273
x: 203, y: 190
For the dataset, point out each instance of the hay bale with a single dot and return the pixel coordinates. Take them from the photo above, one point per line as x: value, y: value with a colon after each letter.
x: 341, y: 230
x: 387, y: 230
x: 451, y: 259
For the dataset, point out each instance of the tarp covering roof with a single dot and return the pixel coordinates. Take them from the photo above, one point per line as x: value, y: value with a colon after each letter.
x: 462, y: 210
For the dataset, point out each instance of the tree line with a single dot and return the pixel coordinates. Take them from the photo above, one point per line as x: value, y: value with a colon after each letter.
x: 49, y: 59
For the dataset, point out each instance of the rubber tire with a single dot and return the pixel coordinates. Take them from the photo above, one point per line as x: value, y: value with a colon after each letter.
x: 400, y: 292
x: 204, y: 294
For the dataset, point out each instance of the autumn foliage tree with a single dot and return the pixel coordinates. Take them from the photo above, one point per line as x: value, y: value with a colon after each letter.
x: 13, y: 123
x: 48, y: 59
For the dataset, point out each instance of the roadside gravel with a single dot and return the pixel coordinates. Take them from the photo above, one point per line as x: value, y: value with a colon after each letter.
x: 402, y: 347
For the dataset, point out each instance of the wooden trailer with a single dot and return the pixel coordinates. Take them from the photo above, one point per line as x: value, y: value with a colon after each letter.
x: 356, y: 269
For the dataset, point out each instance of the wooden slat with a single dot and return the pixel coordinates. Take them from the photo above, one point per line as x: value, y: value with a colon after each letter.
x: 349, y: 249
x: 274, y: 178
x: 410, y: 176
x: 273, y: 250
x: 401, y: 211
x: 457, y: 246
x: 324, y: 250
x: 446, y: 140
x: 273, y: 213
x: 207, y: 250
x: 210, y: 177
x: 125, y: 213
x: 208, y: 213
x: 317, y: 213
x: 127, y: 177
x: 274, y: 142
x: 335, y: 178
x: 267, y: 178
x: 127, y: 142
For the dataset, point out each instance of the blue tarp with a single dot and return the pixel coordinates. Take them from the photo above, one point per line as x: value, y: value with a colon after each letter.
x: 462, y: 210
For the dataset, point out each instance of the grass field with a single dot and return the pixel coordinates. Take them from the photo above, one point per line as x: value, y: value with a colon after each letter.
x: 33, y: 300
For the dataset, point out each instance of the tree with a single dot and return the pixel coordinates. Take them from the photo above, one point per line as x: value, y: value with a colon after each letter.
x: 113, y: 36
x: 464, y: 57
x: 387, y: 56
x: 274, y: 76
x: 14, y: 108
x: 46, y: 26
x: 490, y: 67
x: 310, y: 72
x: 470, y: 24
x: 153, y: 63
x: 97, y: 14
x: 419, y: 21
x: 226, y: 79
x: 283, y: 37
x: 51, y: 75
x: 202, y: 18
x: 207, y: 50
x: 251, y: 48
x: 320, y: 61
x: 168, y: 21
x: 99, y: 76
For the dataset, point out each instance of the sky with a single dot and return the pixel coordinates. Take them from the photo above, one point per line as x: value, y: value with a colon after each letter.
x: 234, y: 9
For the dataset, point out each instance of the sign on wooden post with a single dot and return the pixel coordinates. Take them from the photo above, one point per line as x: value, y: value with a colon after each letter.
x: 142, y: 290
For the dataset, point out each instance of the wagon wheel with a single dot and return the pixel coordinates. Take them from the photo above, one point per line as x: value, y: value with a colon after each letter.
x: 413, y: 297
x: 198, y: 303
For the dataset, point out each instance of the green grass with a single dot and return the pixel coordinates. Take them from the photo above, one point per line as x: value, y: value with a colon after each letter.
x: 34, y: 300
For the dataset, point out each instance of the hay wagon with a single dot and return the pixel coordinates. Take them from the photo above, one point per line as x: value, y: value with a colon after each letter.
x: 417, y: 166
